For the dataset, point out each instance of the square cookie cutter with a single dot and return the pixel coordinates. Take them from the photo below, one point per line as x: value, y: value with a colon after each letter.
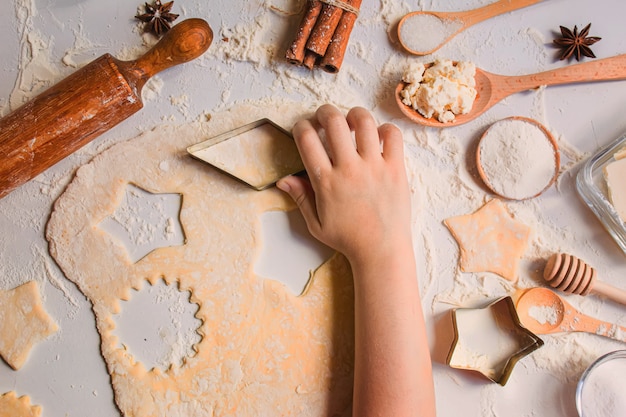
x: 257, y: 154
x: 490, y: 340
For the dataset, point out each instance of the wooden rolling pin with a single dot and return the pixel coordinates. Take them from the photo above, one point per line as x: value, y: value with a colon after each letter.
x: 87, y: 103
x: 570, y: 274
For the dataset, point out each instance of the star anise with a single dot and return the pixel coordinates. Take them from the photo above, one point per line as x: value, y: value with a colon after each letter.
x: 576, y: 44
x: 158, y: 17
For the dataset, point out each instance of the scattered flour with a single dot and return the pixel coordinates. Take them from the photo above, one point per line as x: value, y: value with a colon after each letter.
x: 76, y: 57
x: 567, y: 356
x: 37, y: 73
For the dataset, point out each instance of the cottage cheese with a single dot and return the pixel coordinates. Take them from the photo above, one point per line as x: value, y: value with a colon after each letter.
x: 442, y: 90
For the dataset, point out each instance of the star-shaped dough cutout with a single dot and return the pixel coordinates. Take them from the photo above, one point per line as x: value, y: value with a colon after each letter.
x: 11, y: 406
x: 145, y: 222
x: 23, y: 323
x: 490, y: 240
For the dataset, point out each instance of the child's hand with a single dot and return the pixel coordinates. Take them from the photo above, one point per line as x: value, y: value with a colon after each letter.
x: 356, y: 200
x: 356, y: 197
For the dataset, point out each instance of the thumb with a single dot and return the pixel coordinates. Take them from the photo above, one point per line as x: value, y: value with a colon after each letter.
x: 301, y: 192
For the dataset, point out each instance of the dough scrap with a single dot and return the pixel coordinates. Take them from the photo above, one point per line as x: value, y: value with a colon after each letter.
x: 23, y: 323
x: 490, y: 240
x: 263, y: 351
x: 11, y: 406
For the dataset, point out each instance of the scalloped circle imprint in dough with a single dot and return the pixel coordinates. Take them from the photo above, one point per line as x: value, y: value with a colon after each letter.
x: 167, y: 335
x: 264, y: 351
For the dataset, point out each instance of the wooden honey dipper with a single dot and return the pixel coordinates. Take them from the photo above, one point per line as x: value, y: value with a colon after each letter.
x: 572, y: 275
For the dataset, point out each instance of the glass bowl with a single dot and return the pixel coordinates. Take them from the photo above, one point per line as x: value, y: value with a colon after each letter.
x: 601, y: 389
x: 592, y: 188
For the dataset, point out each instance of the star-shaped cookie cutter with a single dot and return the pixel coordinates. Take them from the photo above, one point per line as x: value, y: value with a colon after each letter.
x: 490, y: 340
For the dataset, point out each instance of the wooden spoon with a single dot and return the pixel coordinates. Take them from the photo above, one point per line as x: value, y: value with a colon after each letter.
x: 492, y: 88
x: 453, y: 22
x: 561, y: 317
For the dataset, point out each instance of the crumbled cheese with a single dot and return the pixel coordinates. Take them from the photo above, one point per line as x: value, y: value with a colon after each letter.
x: 442, y: 90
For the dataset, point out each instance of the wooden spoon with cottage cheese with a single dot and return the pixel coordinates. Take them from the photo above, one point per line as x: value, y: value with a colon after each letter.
x: 492, y: 88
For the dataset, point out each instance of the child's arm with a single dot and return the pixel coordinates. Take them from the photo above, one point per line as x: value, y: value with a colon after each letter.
x: 357, y: 201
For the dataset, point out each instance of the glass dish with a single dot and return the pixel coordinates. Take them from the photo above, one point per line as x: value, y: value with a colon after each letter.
x: 600, y: 390
x: 592, y: 187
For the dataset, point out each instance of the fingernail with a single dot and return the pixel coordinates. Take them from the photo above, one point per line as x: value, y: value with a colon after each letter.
x: 282, y: 185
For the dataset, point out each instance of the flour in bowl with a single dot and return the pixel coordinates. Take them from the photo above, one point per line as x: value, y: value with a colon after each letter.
x: 517, y: 158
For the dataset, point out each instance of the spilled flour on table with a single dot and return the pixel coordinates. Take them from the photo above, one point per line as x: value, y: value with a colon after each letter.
x: 443, y: 182
x: 38, y: 70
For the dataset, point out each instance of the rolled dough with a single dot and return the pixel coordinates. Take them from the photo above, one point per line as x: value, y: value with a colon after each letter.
x: 490, y: 240
x: 11, y: 406
x: 263, y: 351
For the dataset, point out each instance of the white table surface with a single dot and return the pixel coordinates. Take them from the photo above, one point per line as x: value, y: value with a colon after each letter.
x: 66, y: 373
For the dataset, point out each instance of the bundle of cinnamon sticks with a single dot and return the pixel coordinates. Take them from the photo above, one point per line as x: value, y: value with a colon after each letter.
x: 323, y: 35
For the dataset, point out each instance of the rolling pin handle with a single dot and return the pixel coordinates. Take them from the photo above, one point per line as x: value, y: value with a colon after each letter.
x: 182, y: 43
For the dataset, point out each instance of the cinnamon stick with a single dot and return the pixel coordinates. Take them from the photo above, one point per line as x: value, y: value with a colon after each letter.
x: 324, y: 29
x: 323, y: 34
x: 310, y: 59
x: 333, y: 58
x: 296, y: 52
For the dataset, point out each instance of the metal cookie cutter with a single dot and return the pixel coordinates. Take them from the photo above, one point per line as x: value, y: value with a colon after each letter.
x: 490, y: 340
x: 258, y: 154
